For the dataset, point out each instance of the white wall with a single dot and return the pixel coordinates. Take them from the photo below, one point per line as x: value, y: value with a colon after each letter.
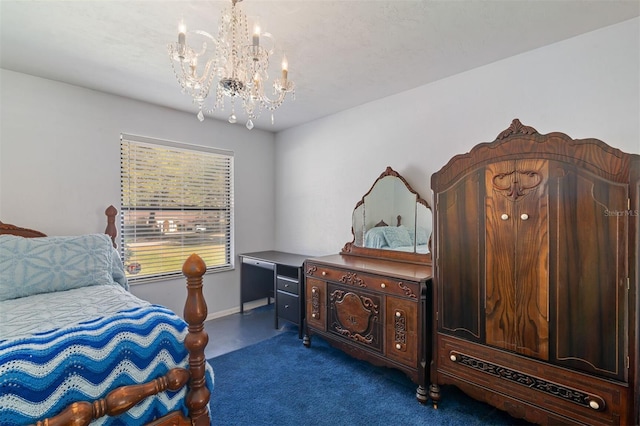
x: 59, y: 152
x: 60, y: 169
x: 586, y: 87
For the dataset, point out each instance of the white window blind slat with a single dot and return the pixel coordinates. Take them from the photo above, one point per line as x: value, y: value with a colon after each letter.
x: 176, y: 199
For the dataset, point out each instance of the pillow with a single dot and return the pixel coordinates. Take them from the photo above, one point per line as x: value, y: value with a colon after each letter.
x: 422, y: 235
x: 374, y: 238
x: 47, y: 264
x: 397, y: 236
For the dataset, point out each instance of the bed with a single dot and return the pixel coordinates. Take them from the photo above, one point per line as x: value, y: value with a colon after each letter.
x: 76, y: 347
x: 398, y: 238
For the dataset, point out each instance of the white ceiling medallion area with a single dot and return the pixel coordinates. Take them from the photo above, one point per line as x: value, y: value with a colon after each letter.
x: 343, y: 53
x: 230, y: 66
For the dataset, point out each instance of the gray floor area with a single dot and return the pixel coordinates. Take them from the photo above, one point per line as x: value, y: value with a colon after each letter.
x: 236, y: 331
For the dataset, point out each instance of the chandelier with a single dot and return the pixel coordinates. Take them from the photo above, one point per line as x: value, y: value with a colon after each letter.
x: 234, y: 64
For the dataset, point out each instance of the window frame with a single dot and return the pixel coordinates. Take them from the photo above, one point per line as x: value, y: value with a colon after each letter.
x: 226, y: 173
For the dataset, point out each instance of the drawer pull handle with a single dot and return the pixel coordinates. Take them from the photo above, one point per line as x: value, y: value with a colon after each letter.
x: 398, y: 346
x: 504, y: 216
x: 453, y: 358
x: 314, y: 290
x: 383, y: 285
x: 524, y: 216
x: 286, y: 306
x: 594, y: 404
x: 398, y: 314
x: 324, y: 273
x: 286, y: 285
x: 315, y: 315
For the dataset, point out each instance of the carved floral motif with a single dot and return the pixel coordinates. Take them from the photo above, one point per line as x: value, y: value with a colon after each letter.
x: 515, y: 128
x: 353, y: 279
x: 516, y: 183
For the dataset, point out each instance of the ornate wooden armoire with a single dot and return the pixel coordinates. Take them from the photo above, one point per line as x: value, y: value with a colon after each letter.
x: 536, y: 278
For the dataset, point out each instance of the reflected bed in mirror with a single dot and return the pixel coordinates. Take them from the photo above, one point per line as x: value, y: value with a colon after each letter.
x: 391, y: 221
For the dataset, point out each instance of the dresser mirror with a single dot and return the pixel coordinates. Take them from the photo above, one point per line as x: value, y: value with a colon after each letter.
x: 391, y: 221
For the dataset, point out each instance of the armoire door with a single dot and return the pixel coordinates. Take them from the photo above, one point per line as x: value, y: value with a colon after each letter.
x: 590, y: 271
x: 517, y: 257
x: 460, y: 234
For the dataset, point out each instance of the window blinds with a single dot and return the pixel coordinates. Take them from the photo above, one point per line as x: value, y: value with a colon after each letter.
x: 176, y: 199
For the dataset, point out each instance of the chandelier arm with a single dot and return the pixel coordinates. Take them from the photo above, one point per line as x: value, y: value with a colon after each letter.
x: 204, y: 76
x: 272, y: 104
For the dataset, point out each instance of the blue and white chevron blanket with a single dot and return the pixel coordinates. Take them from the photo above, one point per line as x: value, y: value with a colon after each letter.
x: 81, y: 351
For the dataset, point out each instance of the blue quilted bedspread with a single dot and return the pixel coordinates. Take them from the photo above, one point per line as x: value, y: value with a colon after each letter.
x: 44, y: 372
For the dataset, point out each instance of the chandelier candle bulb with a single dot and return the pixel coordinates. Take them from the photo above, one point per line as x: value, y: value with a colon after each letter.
x: 285, y: 68
x: 182, y: 29
x: 256, y: 35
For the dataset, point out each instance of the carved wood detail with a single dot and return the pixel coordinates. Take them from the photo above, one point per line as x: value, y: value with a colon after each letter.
x: 516, y: 183
x: 353, y: 279
x: 354, y: 315
x: 515, y: 128
x: 8, y: 229
x: 111, y: 229
x: 311, y: 270
x: 400, y: 328
x: 407, y: 290
x: 315, y: 302
x: 117, y: 401
x: 195, y: 313
x: 576, y: 396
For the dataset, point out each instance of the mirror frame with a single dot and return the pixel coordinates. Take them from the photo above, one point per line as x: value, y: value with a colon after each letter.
x: 351, y: 248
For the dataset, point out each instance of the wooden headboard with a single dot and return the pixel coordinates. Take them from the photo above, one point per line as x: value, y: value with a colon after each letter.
x: 6, y: 228
x: 111, y: 212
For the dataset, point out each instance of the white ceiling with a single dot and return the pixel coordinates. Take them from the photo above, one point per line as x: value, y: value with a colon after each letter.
x: 341, y: 53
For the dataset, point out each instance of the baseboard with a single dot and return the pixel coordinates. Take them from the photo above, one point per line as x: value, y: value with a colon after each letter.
x: 247, y: 307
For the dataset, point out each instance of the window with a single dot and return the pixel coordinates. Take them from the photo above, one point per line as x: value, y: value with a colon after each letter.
x: 176, y: 199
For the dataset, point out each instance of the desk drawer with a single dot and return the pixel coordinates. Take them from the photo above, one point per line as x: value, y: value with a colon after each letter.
x: 288, y: 307
x: 290, y: 285
x: 259, y: 263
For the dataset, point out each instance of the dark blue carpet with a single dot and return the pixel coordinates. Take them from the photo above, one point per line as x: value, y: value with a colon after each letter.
x: 281, y: 382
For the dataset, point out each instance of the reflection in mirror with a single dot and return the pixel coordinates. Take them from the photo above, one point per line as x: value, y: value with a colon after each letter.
x: 424, y: 220
x: 391, y: 217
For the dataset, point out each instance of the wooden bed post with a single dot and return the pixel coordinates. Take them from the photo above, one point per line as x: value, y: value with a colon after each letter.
x: 111, y: 229
x: 195, y: 313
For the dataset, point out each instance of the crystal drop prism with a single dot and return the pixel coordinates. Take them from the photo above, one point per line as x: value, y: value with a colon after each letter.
x: 200, y: 116
x: 249, y: 124
x: 273, y: 120
x: 233, y: 118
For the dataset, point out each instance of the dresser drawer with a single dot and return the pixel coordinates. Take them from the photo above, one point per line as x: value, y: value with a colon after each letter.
x: 290, y: 285
x: 371, y: 282
x: 288, y: 307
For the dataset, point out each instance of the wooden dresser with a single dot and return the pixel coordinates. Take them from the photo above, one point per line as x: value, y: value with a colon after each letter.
x: 375, y: 304
x: 375, y: 310
x: 536, y: 278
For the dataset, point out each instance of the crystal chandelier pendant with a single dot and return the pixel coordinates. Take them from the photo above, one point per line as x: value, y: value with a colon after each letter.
x: 230, y: 64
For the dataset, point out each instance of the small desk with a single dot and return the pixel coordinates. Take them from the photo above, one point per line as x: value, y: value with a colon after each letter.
x: 274, y: 274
